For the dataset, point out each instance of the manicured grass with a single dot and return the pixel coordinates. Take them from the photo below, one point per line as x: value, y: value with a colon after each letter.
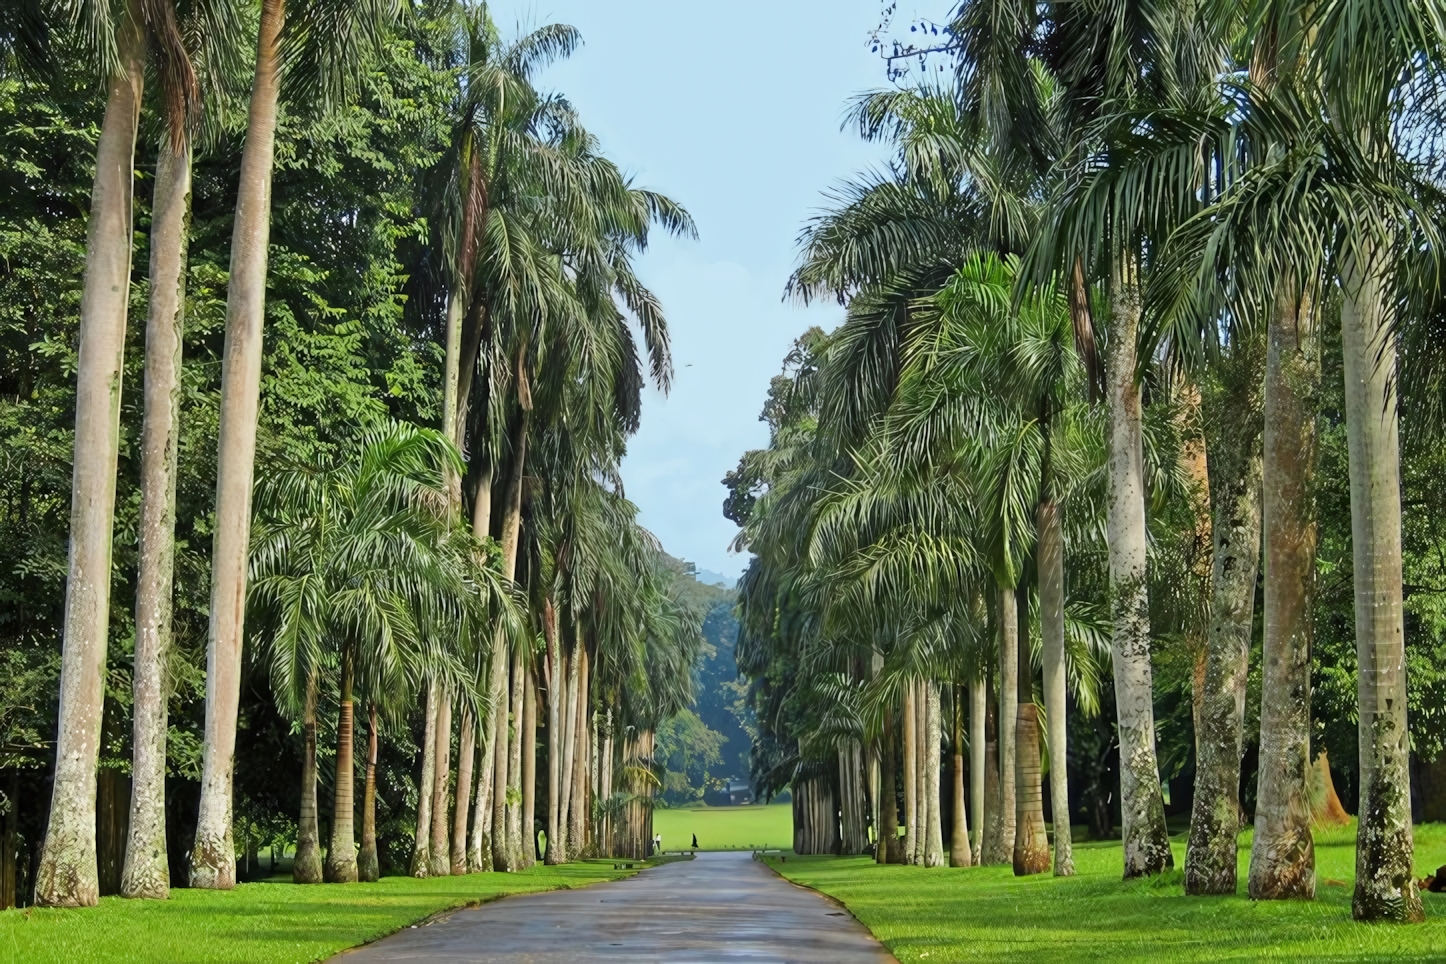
x: 986, y: 914
x: 266, y: 923
x: 755, y: 827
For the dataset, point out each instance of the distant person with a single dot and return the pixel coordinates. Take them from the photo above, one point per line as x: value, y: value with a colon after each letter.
x: 657, y: 844
x: 695, y: 841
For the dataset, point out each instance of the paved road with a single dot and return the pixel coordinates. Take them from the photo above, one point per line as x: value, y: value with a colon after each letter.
x: 720, y: 907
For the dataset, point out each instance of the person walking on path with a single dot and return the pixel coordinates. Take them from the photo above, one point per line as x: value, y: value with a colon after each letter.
x: 695, y: 841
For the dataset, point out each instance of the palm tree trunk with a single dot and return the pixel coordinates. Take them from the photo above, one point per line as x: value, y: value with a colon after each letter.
x: 466, y: 751
x: 1211, y: 857
x: 368, y: 866
x: 1031, y: 845
x: 1282, y: 857
x: 934, y: 828
x: 147, y: 868
x: 978, y: 757
x: 1385, y: 886
x: 1142, y: 806
x: 911, y: 774
x: 452, y: 364
x: 306, y: 867
x: 568, y: 736
x: 10, y: 845
x: 514, y: 764
x: 479, y: 847
x: 341, y: 856
x: 921, y: 771
x: 529, y: 770
x: 1051, y: 627
x: 606, y: 790
x: 422, y: 840
x: 886, y: 849
x: 581, y: 804
x: 993, y: 809
x: 1006, y: 724
x: 555, y: 683
x: 959, y: 852
x: 439, y: 863
x: 67, y: 876
x: 213, y: 857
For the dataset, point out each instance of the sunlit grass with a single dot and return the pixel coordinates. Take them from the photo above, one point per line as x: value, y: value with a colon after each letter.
x: 266, y: 923
x: 756, y: 827
x: 987, y: 914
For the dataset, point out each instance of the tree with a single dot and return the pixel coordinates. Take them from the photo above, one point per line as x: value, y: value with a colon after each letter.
x: 320, y: 45
x: 362, y: 574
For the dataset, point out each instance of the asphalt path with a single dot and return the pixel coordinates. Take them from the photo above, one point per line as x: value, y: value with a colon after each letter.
x: 719, y: 907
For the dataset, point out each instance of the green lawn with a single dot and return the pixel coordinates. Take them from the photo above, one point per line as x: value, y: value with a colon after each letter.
x: 754, y: 827
x: 267, y: 923
x: 987, y: 914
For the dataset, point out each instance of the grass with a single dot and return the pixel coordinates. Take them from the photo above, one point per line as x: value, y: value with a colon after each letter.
x: 265, y: 923
x: 987, y: 914
x: 754, y: 827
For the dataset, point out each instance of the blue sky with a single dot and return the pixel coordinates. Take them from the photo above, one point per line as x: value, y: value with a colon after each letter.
x: 733, y: 109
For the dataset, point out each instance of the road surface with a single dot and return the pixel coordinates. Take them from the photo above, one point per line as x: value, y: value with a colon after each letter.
x: 720, y: 907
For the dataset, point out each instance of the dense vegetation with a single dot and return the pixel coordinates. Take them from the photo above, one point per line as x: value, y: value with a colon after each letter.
x: 387, y: 276
x: 1121, y: 481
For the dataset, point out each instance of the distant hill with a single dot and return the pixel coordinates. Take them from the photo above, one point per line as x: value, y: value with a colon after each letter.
x: 710, y: 578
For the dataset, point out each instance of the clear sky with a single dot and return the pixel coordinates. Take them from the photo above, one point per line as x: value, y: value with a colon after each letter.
x: 733, y: 109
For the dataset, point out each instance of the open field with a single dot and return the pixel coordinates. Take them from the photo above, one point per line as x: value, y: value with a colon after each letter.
x: 266, y: 923
x: 753, y: 827
x: 987, y: 914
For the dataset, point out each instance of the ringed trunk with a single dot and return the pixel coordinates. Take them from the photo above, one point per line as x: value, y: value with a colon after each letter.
x: 341, y: 856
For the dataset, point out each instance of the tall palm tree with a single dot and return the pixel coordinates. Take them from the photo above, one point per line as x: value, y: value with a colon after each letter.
x: 318, y: 45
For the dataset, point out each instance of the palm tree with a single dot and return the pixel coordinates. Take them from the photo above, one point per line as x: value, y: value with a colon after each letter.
x: 357, y: 564
x: 320, y: 44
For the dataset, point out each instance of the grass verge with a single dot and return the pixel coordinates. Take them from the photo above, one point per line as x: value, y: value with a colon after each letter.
x: 754, y: 827
x: 265, y: 923
x: 987, y: 914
